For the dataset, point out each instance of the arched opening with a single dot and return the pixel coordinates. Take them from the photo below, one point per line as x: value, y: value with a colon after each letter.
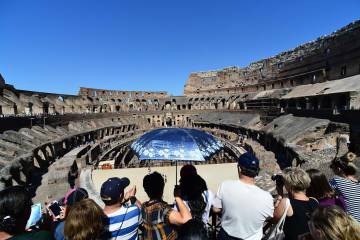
x: 29, y: 108
x: 314, y: 103
x: 302, y: 103
x: 326, y: 102
x: 168, y: 105
x: 292, y: 103
x: 342, y: 103
x: 168, y: 122
x: 46, y: 107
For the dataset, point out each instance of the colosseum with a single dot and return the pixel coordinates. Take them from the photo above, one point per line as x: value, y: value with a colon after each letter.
x: 300, y: 107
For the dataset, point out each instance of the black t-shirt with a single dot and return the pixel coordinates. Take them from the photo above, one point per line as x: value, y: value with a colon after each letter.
x: 40, y: 235
x: 297, y: 224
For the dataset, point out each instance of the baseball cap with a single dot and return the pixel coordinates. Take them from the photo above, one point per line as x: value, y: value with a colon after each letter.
x: 76, y: 196
x: 248, y: 161
x: 113, y: 187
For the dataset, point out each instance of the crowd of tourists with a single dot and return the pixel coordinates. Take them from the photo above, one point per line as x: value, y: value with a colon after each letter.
x: 307, y: 206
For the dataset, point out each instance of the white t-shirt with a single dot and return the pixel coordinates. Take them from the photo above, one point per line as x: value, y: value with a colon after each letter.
x: 209, y: 198
x: 245, y: 208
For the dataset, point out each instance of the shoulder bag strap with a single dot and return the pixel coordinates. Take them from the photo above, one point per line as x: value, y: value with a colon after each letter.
x: 206, y: 196
x: 122, y: 222
x: 281, y: 222
x: 278, y: 227
x: 314, y: 199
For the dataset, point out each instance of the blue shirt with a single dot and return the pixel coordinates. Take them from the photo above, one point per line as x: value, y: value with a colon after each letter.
x: 59, y: 231
x: 123, y: 223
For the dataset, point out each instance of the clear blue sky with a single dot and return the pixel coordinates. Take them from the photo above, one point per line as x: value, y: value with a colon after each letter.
x: 60, y: 45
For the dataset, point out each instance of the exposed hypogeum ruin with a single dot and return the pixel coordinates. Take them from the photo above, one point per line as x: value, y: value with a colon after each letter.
x: 300, y: 107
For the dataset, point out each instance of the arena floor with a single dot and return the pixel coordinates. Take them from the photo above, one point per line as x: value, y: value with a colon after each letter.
x: 213, y: 174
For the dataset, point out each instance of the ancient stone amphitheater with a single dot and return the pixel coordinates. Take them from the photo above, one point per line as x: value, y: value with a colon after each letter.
x: 300, y: 107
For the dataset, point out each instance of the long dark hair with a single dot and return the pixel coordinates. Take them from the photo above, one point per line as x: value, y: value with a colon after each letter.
x: 194, y: 229
x: 154, y: 185
x: 15, y: 208
x: 192, y: 188
x: 319, y: 186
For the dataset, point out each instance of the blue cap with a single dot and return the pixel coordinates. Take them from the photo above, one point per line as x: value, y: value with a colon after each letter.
x: 248, y: 161
x: 113, y: 187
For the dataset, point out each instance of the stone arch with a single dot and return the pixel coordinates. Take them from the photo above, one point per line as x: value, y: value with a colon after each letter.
x: 131, y: 107
x: 17, y: 175
x: 222, y: 103
x: 40, y: 159
x: 342, y: 102
x: 167, y: 105
x: 326, y: 102
x: 49, y: 151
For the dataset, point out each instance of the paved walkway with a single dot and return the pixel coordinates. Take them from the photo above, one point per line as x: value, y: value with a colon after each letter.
x: 87, y: 183
x: 54, y: 184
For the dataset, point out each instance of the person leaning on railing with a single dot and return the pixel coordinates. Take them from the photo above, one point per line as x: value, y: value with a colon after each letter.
x: 122, y: 220
x: 322, y: 191
x: 346, y: 183
x: 244, y: 206
x: 296, y: 181
x: 159, y: 218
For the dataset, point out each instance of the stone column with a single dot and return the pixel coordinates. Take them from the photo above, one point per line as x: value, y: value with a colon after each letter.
x: 354, y: 100
x: 297, y: 104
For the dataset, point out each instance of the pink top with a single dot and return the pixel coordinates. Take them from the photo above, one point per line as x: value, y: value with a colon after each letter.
x: 68, y: 194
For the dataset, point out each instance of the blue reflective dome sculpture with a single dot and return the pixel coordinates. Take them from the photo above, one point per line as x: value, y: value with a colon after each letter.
x: 176, y: 144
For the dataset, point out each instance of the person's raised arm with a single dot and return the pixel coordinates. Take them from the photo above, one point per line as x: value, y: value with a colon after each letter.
x: 216, y: 210
x: 181, y: 216
x: 280, y: 208
x: 217, y: 205
x: 130, y: 196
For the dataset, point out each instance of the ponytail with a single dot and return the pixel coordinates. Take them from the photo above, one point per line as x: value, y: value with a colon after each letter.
x: 7, y: 224
x: 346, y: 164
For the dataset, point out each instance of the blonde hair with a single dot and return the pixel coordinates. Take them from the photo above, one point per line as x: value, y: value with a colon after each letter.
x: 333, y: 223
x: 345, y: 164
x: 296, y: 179
x: 85, y: 221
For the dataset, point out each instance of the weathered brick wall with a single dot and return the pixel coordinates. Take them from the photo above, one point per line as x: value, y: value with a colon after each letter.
x: 330, y: 57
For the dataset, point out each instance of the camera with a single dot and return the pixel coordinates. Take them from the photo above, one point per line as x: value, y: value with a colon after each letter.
x: 279, y: 180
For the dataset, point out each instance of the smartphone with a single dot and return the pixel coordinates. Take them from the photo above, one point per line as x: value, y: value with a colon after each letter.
x: 55, y: 209
x: 35, y: 215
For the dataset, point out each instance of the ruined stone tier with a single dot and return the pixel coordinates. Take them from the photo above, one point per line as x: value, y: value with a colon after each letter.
x: 330, y: 97
x: 2, y: 81
x: 48, y: 153
x: 93, y: 92
x: 327, y: 58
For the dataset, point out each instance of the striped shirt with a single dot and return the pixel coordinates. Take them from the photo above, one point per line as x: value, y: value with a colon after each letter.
x: 123, y: 224
x: 350, y: 190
